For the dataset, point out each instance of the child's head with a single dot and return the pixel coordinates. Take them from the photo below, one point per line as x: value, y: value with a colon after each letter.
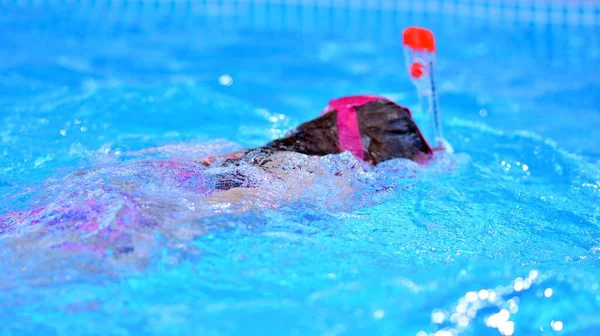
x: 386, y: 131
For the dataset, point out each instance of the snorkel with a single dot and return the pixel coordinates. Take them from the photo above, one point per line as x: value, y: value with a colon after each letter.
x: 419, y: 56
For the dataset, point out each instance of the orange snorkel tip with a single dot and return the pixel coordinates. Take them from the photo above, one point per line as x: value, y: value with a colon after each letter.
x: 419, y: 50
x: 418, y: 39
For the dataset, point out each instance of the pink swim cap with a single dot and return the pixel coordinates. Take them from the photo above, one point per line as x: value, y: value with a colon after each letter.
x: 347, y: 121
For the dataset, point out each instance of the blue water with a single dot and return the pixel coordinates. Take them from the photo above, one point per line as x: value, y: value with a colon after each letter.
x: 501, y: 237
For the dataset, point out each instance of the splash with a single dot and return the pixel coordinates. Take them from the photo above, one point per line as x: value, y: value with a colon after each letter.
x: 128, y: 209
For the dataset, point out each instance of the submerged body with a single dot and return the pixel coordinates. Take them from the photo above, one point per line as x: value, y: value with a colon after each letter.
x: 122, y: 203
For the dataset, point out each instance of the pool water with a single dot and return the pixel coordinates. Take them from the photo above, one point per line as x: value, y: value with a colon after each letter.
x: 104, y: 116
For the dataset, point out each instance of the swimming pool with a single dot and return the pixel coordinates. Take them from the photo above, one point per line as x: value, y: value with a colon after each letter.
x: 502, y: 237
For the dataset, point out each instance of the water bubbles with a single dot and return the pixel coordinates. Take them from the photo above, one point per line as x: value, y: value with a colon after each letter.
x: 483, y: 113
x: 526, y: 283
x: 378, y: 314
x: 471, y: 296
x: 438, y: 316
x: 507, y: 328
x: 496, y: 319
x: 225, y: 80
x: 483, y: 294
x: 513, y: 307
x: 461, y: 308
x: 506, y: 165
x: 556, y: 325
x: 473, y: 302
x: 63, y: 132
x: 518, y: 286
x: 463, y: 321
x: 276, y: 117
x: 533, y: 274
x: 548, y: 292
x: 500, y: 321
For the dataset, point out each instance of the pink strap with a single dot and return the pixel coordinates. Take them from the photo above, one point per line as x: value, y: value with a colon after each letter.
x: 347, y: 121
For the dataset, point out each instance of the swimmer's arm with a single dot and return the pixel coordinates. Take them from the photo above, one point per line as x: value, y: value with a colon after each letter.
x: 236, y: 196
x: 241, y: 199
x: 299, y: 185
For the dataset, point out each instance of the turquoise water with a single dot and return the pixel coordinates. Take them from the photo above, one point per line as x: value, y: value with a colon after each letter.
x: 501, y: 237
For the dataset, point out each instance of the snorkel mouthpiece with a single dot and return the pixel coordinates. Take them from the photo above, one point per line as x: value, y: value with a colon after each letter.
x: 419, y: 56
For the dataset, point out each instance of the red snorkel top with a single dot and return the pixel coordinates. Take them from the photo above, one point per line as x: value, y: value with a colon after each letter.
x: 419, y: 39
x: 419, y: 51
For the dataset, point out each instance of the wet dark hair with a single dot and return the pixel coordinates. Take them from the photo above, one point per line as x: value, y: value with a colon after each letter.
x: 387, y: 131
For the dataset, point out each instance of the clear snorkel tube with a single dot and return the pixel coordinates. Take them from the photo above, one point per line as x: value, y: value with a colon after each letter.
x: 419, y: 56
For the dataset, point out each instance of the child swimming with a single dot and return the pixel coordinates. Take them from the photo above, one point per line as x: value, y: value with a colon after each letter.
x: 108, y: 207
x: 372, y: 128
